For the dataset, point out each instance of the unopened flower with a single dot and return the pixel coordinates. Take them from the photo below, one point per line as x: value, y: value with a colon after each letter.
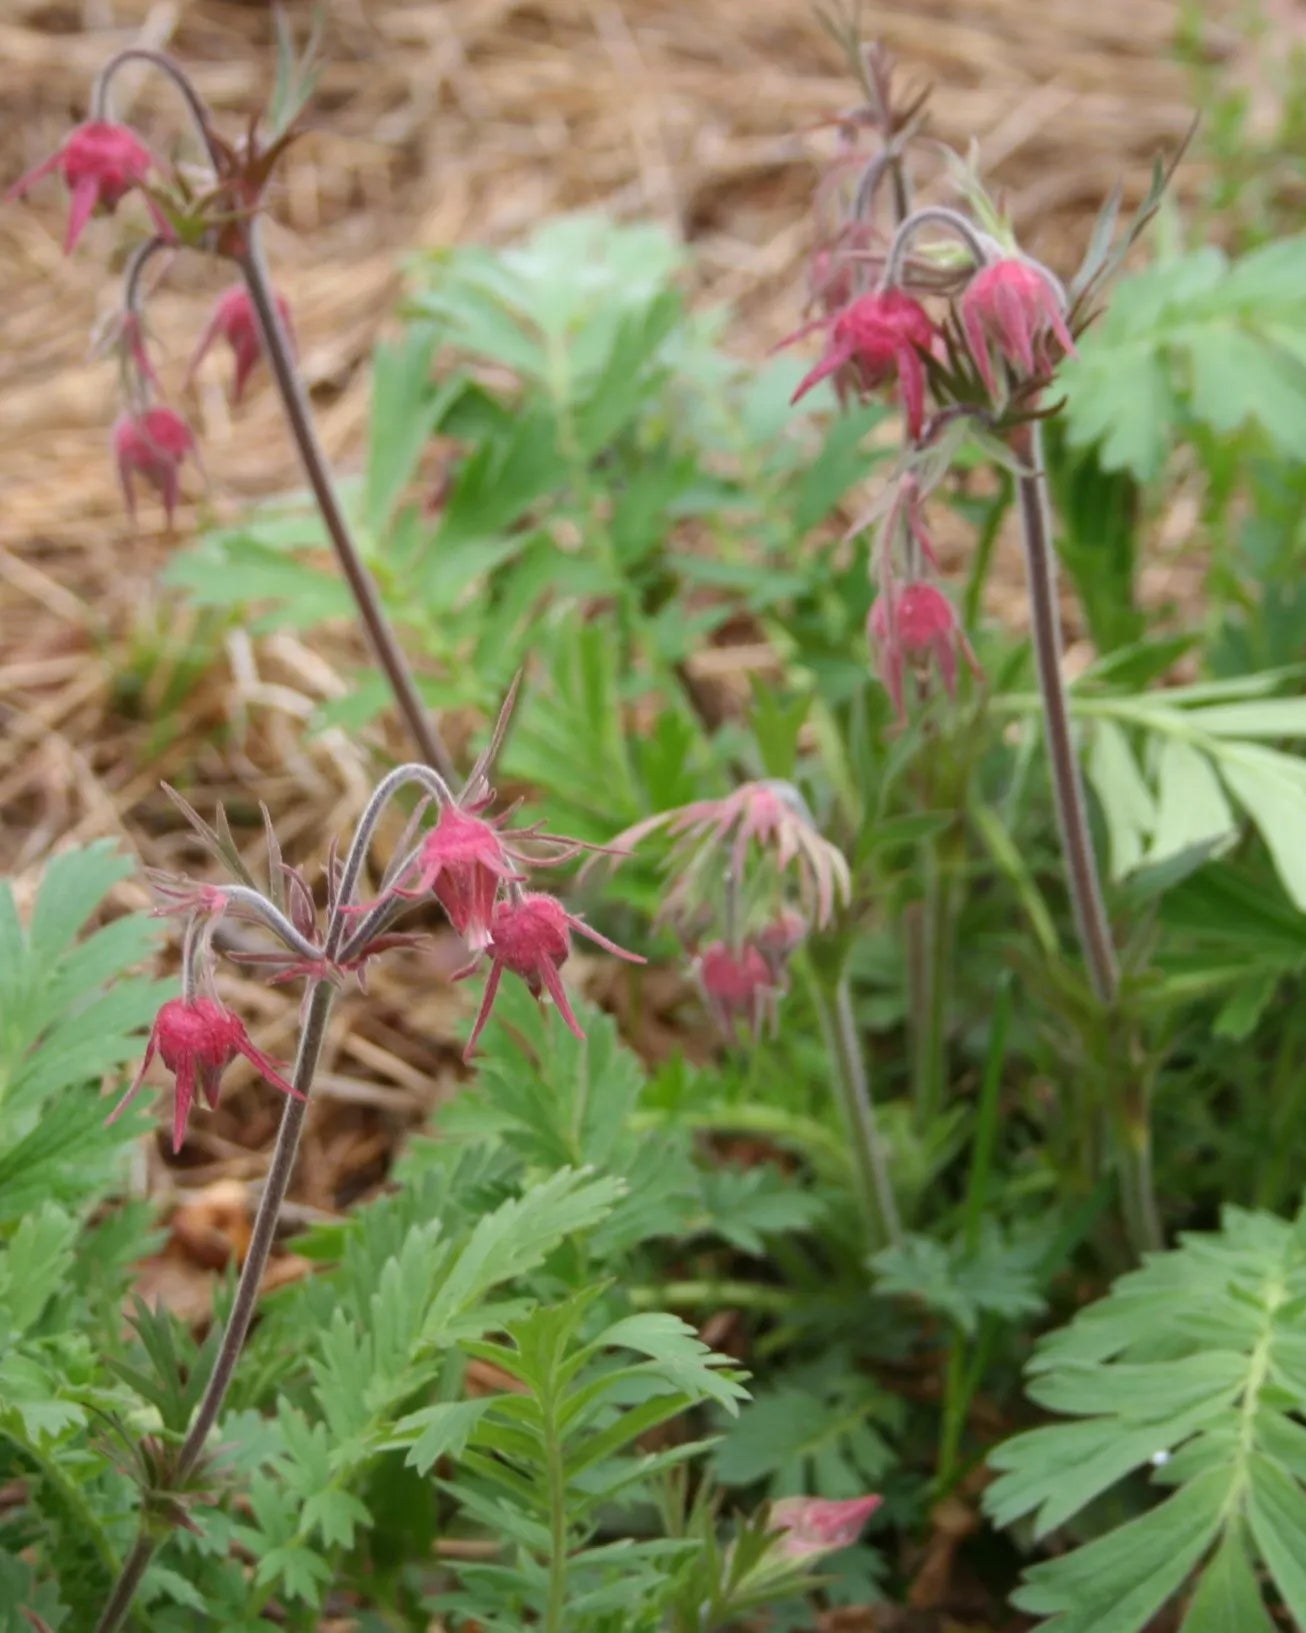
x: 737, y: 984
x: 462, y: 861
x: 101, y: 162
x: 1016, y: 307
x: 779, y: 939
x: 772, y: 815
x: 883, y: 335
x: 915, y: 624
x: 197, y: 1039
x: 153, y: 445
x: 818, y: 1525
x: 234, y: 320
x: 531, y: 936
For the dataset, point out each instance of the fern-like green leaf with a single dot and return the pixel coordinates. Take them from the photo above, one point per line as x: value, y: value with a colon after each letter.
x: 1194, y: 1365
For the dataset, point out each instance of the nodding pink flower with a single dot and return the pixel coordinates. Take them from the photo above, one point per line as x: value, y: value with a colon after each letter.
x: 153, y: 445
x: 818, y: 1525
x: 1014, y: 306
x: 531, y: 936
x: 779, y: 940
x: 197, y: 1039
x: 915, y: 623
x: 234, y: 320
x: 772, y: 815
x: 101, y: 162
x: 737, y: 984
x: 882, y: 335
x: 462, y: 861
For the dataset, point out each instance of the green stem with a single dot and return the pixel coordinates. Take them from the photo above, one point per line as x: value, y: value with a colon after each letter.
x: 965, y: 1373
x: 848, y: 1070
x: 713, y: 1295
x: 557, y: 1599
x: 930, y: 1000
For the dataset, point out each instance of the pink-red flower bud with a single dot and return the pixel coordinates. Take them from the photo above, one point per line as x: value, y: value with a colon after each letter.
x: 101, y: 162
x: 818, y: 1525
x: 915, y: 624
x: 883, y: 335
x: 530, y: 935
x: 1014, y: 306
x: 234, y: 320
x: 737, y: 984
x: 153, y: 445
x: 197, y: 1039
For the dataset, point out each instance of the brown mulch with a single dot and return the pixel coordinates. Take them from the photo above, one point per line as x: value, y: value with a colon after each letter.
x: 436, y: 121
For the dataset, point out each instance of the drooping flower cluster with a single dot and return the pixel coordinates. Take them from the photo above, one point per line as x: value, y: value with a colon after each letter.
x: 752, y: 875
x: 939, y: 307
x: 197, y: 1039
x: 466, y: 861
x: 102, y: 162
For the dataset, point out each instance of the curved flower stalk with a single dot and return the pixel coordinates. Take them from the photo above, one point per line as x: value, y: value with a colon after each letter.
x: 215, y: 213
x: 970, y: 331
x: 196, y: 1036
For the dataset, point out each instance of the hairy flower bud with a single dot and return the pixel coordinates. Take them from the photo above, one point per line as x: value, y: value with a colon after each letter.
x: 737, y: 984
x: 811, y: 1526
x: 153, y: 445
x: 915, y: 623
x: 882, y: 335
x: 1014, y: 306
x: 234, y: 320
x: 197, y: 1039
x: 530, y: 935
x: 101, y: 162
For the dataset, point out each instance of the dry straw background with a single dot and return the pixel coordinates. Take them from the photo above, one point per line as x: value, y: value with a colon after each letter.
x: 436, y: 121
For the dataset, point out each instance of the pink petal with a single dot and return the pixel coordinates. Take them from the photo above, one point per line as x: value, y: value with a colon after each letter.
x: 829, y: 364
x: 553, y: 983
x: 487, y: 1004
x: 85, y: 194
x: 183, y: 1099
x: 266, y: 1067
x: 592, y: 934
x: 1014, y: 326
x: 911, y: 375
x: 973, y: 323
x: 37, y: 173
x: 132, y: 1092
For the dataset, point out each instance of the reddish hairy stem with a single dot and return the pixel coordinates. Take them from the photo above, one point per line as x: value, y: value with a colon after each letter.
x: 294, y: 399
x: 1067, y: 784
x: 1132, y: 1131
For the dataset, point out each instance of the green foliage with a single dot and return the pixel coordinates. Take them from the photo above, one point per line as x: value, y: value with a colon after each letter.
x: 1194, y: 1366
x: 1196, y: 341
x: 70, y: 1014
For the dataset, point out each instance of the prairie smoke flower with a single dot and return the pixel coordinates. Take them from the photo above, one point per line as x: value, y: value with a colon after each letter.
x: 1016, y: 307
x: 462, y: 861
x: 737, y: 984
x: 197, y: 1039
x: 771, y: 814
x: 915, y: 623
x: 153, y: 445
x: 779, y: 940
x: 234, y: 320
x: 818, y: 1525
x: 882, y: 335
x: 530, y: 935
x: 101, y: 162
